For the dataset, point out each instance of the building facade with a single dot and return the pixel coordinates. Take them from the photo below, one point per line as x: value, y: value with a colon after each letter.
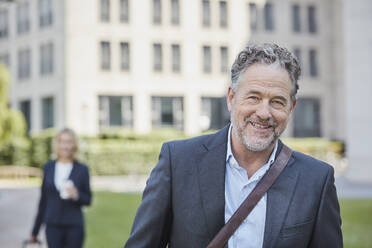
x: 95, y: 65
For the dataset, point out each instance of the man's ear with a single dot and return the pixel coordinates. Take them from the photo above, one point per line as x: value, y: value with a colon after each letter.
x: 293, y: 105
x: 229, y: 98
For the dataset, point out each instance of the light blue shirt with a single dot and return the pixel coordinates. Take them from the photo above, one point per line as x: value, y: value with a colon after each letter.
x: 250, y: 233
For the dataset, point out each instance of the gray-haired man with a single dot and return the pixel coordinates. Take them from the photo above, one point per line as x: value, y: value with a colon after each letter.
x: 199, y: 183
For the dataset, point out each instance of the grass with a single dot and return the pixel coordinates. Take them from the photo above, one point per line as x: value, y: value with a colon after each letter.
x: 357, y: 223
x: 110, y: 218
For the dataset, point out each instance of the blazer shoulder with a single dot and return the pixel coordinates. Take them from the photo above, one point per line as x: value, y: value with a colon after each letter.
x: 312, y: 164
x: 198, y: 143
x: 80, y: 165
x: 208, y: 141
x: 49, y: 164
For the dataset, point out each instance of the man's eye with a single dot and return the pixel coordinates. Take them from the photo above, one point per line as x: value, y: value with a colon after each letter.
x: 253, y: 98
x: 278, y: 103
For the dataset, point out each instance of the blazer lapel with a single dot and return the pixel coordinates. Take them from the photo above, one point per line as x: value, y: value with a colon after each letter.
x: 278, y: 200
x: 51, y: 175
x: 73, y: 172
x: 211, y: 175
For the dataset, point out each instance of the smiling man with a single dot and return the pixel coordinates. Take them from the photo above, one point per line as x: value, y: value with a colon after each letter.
x: 199, y: 183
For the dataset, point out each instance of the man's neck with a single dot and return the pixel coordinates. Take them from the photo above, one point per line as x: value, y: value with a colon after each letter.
x: 250, y: 160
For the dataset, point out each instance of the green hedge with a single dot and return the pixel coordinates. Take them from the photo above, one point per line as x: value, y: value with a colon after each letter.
x: 119, y: 153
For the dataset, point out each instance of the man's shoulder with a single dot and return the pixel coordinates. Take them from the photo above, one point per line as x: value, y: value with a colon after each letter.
x: 206, y: 141
x: 310, y: 163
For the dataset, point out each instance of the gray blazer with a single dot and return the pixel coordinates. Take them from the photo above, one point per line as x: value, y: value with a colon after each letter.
x: 183, y: 204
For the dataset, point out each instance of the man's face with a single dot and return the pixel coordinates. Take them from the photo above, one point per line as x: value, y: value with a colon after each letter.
x: 261, y: 106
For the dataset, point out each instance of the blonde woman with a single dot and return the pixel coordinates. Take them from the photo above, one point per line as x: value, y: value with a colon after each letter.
x: 65, y: 189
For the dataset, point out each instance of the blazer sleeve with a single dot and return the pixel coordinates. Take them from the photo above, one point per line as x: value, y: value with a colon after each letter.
x: 327, y: 228
x: 85, y: 194
x: 152, y: 223
x: 42, y: 205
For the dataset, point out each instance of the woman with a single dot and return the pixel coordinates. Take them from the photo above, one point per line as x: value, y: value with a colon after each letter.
x: 65, y: 189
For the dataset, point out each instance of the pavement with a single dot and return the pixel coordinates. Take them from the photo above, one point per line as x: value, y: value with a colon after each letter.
x: 18, y: 202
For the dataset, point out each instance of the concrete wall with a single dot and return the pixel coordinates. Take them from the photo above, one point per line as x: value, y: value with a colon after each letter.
x: 358, y: 81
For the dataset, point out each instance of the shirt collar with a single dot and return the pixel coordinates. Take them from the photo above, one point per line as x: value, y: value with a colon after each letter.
x: 230, y: 154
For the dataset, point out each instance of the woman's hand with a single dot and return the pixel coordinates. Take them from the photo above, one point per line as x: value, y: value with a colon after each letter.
x: 72, y: 192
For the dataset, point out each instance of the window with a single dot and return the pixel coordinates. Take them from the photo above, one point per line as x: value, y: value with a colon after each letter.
x: 45, y: 13
x: 296, y: 20
x: 207, y: 59
x: 124, y: 11
x: 104, y: 10
x: 47, y: 112
x: 167, y: 112
x: 175, y: 16
x: 158, y: 57
x: 4, y: 59
x: 311, y: 12
x: 307, y: 118
x: 212, y: 113
x: 176, y: 58
x: 156, y: 17
x: 223, y: 14
x: 115, y: 111
x: 24, y: 64
x: 105, y: 55
x: 224, y: 59
x: 46, y: 59
x: 23, y: 17
x: 124, y: 56
x: 269, y: 16
x: 25, y: 107
x: 206, y: 13
x: 313, y: 63
x: 253, y: 16
x: 4, y: 23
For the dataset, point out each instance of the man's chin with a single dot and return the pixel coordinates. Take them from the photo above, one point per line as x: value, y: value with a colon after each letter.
x: 258, y: 146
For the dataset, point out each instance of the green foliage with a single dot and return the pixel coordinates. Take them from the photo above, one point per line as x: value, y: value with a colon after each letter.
x: 111, y: 153
x: 13, y: 143
x: 110, y: 218
x: 41, y: 147
x: 126, y: 153
x: 318, y: 147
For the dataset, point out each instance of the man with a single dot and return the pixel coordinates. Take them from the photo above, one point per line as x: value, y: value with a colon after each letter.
x: 199, y: 183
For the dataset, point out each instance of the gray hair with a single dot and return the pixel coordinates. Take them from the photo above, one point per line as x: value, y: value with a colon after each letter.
x: 266, y: 54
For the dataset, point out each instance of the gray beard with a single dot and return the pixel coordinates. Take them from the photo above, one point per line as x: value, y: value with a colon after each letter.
x: 244, y: 139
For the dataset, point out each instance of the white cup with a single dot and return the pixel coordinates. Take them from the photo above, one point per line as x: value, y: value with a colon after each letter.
x: 64, y: 189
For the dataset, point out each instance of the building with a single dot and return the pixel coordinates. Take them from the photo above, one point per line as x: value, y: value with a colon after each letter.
x: 358, y: 86
x: 94, y: 65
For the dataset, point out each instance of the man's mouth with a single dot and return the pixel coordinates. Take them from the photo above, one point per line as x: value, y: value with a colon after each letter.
x: 260, y: 126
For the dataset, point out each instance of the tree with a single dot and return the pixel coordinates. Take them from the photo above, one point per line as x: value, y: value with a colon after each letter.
x: 12, y: 125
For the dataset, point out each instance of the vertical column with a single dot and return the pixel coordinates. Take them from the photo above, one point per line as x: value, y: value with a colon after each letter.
x: 192, y: 113
x: 358, y: 86
x: 142, y: 112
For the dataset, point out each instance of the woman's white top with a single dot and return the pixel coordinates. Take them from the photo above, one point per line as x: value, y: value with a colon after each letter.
x: 61, y: 174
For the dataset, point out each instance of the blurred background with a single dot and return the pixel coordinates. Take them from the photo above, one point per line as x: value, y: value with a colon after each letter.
x: 128, y: 75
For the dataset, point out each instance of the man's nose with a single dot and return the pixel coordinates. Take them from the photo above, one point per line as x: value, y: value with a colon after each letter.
x: 263, y: 111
